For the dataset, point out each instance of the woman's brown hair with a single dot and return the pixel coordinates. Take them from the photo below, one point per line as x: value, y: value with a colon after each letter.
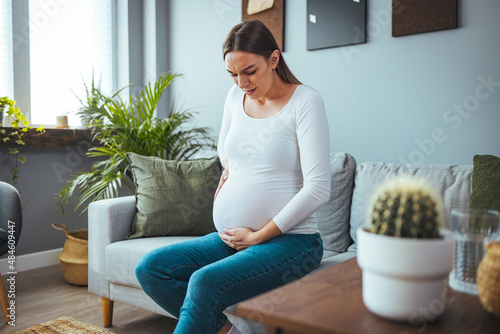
x: 254, y: 37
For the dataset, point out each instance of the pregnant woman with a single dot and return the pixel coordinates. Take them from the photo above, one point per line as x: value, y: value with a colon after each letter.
x: 274, y: 147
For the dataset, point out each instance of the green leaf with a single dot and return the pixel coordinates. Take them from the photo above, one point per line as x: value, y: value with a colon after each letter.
x: 124, y: 125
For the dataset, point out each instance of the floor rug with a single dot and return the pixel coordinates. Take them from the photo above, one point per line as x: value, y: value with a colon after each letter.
x: 63, y: 325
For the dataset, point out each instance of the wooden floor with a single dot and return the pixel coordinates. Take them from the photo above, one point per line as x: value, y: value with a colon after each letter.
x: 43, y: 295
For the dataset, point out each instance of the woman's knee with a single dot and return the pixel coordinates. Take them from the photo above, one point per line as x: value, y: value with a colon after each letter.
x: 145, y: 267
x: 140, y: 269
x: 205, y: 279
x: 161, y: 264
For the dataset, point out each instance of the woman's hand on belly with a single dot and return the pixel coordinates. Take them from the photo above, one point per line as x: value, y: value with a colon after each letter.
x: 238, y: 238
x: 241, y: 238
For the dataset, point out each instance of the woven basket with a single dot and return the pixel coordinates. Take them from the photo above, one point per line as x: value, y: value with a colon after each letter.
x: 488, y: 278
x: 74, y: 256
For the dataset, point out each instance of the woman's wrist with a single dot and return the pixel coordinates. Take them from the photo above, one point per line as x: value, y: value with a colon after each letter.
x: 268, y: 232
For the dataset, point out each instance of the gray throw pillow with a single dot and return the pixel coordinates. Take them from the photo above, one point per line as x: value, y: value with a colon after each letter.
x: 333, y: 217
x: 173, y: 197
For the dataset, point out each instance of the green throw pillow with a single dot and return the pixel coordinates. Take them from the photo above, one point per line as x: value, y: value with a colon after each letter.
x: 173, y: 197
x: 485, y: 183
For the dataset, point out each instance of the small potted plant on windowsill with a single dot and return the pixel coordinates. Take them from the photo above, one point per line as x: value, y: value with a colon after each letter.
x: 15, y: 136
x: 62, y: 121
x: 404, y: 255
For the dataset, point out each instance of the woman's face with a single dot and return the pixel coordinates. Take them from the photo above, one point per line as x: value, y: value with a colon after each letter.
x: 252, y: 73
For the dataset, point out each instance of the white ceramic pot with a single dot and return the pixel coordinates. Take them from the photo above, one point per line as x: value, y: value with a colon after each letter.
x: 403, y: 278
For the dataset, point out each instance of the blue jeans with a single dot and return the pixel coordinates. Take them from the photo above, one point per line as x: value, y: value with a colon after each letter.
x: 197, y: 280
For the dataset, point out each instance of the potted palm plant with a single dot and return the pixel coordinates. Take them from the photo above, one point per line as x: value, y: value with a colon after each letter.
x: 129, y: 125
x: 404, y: 255
x: 92, y: 104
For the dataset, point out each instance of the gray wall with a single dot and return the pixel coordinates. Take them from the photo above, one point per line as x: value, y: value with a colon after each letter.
x: 417, y: 99
x: 40, y: 178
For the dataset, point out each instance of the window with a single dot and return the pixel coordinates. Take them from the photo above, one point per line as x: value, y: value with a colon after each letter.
x: 6, y: 62
x: 69, y: 40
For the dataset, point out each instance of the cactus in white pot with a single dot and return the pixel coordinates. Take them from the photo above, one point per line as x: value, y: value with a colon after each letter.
x: 404, y: 255
x: 405, y: 208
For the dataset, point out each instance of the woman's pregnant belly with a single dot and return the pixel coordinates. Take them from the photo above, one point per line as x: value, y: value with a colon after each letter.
x: 246, y: 202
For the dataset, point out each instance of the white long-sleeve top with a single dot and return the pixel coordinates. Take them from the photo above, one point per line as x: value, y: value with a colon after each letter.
x: 279, y: 167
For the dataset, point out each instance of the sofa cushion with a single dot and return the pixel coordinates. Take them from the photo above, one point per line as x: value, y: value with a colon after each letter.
x: 333, y: 217
x: 173, y: 197
x: 451, y: 182
x: 122, y: 257
x: 485, y: 183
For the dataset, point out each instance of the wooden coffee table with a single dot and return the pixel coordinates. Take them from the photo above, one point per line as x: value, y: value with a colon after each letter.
x: 330, y: 301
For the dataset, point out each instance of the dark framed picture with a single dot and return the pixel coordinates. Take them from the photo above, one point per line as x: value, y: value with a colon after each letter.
x: 333, y: 23
x: 415, y: 17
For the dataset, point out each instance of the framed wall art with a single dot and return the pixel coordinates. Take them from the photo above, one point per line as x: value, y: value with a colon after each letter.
x: 269, y: 12
x: 333, y: 23
x: 415, y: 17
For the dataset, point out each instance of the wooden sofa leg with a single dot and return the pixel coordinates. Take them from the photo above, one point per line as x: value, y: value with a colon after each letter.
x: 107, y: 312
x: 3, y: 301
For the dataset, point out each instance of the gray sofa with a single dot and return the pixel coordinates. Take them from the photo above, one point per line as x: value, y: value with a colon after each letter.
x: 112, y: 259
